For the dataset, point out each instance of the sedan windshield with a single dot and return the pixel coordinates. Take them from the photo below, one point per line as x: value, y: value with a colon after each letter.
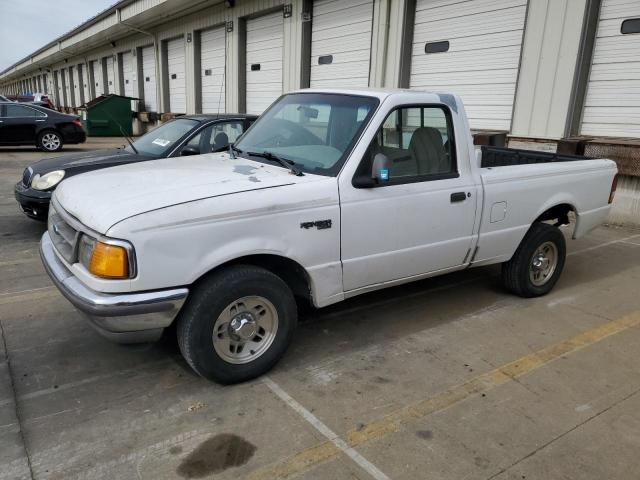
x: 314, y: 131
x: 160, y: 140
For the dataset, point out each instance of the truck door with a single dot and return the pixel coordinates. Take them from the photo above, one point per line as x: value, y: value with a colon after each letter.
x: 418, y: 218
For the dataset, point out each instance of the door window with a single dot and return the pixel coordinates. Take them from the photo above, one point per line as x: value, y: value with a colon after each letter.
x: 20, y: 111
x: 217, y: 136
x: 418, y: 143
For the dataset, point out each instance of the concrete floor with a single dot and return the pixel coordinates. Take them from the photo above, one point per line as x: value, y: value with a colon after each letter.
x: 449, y: 378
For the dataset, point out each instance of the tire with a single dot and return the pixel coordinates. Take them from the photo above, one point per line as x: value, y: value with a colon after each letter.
x: 50, y: 141
x: 527, y: 276
x: 241, y: 302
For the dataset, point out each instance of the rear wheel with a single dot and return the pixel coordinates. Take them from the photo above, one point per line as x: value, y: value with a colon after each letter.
x: 50, y: 141
x: 237, y: 324
x: 538, y: 262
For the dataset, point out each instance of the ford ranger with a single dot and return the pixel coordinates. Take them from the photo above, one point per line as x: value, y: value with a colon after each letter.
x: 330, y: 194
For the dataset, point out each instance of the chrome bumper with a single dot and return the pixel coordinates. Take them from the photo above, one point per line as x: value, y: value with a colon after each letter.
x: 122, y: 317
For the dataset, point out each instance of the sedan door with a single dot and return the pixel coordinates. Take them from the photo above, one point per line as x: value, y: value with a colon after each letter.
x: 19, y: 124
x: 419, y: 218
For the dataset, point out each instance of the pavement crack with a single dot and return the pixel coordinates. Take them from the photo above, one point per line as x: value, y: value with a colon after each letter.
x: 564, y: 434
x: 15, y: 400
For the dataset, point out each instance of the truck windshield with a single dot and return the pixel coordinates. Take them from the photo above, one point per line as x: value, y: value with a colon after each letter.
x: 161, y: 139
x: 315, y: 131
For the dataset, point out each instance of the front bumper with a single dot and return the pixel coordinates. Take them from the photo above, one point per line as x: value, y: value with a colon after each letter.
x: 34, y: 203
x: 122, y: 317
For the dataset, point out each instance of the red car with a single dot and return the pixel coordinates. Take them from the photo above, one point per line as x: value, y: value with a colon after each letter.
x: 40, y: 99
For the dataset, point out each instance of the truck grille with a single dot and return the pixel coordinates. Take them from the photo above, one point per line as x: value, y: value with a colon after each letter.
x: 63, y: 235
x: 26, y: 176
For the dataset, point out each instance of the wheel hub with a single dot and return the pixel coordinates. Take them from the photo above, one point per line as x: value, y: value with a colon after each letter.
x: 243, y: 326
x: 543, y: 264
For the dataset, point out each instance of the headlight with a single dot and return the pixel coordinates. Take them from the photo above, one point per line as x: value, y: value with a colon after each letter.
x: 46, y: 181
x: 103, y: 259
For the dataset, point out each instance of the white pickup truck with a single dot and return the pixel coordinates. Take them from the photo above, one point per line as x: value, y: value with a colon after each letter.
x: 330, y: 194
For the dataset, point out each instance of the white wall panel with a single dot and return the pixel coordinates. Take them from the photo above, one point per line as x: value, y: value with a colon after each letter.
x: 481, y: 65
x: 149, y: 79
x: 177, y: 72
x: 264, y: 59
x: 212, y: 74
x: 341, y: 31
x: 128, y: 75
x: 612, y: 103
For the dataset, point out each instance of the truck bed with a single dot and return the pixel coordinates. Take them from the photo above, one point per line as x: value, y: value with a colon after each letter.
x: 504, y: 157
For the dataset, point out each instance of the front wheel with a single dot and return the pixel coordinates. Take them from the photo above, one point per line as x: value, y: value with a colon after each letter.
x: 538, y: 262
x: 237, y: 324
x: 50, y: 141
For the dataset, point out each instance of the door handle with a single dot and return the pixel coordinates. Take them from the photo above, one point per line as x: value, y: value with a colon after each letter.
x: 458, y: 197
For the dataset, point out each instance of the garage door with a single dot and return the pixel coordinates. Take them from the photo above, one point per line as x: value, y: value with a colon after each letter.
x: 612, y: 103
x: 57, y: 78
x: 176, y: 70
x: 84, y: 79
x: 471, y: 48
x: 341, y: 43
x: 77, y: 86
x: 68, y: 87
x: 149, y: 77
x: 127, y: 74
x: 265, y: 41
x: 98, y: 82
x: 212, y: 63
x: 111, y: 77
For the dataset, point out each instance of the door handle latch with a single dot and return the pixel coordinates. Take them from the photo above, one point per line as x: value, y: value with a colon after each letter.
x: 458, y: 197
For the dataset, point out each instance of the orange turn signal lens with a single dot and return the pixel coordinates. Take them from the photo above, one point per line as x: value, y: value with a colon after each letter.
x: 109, y: 261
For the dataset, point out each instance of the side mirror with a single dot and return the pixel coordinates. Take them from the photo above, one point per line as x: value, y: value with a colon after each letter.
x: 380, y: 168
x: 189, y: 150
x: 379, y: 173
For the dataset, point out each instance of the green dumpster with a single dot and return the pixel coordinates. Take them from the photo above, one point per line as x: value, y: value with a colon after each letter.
x: 105, y: 115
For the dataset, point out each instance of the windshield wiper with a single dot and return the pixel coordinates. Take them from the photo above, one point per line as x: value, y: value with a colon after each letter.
x: 282, y: 161
x: 128, y: 140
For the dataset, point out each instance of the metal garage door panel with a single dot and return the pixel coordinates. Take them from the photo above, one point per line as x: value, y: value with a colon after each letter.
x: 212, y: 63
x: 265, y: 42
x: 481, y: 65
x: 97, y: 77
x: 67, y: 86
x: 612, y: 102
x: 127, y: 74
x: 111, y: 77
x: 176, y: 70
x: 149, y: 79
x: 60, y: 92
x: 341, y: 29
x: 77, y: 86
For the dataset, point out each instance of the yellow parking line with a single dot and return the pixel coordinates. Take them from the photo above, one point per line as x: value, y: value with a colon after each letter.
x: 393, y: 422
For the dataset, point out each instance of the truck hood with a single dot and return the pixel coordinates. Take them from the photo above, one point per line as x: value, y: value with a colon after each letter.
x: 103, y: 198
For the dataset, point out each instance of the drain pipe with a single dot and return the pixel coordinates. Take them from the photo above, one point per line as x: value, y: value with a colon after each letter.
x: 156, y: 50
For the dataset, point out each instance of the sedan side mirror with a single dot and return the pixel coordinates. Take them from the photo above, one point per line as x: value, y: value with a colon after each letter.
x: 189, y: 150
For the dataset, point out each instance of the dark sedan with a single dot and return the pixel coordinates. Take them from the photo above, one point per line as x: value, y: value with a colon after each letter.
x: 29, y: 124
x: 187, y: 135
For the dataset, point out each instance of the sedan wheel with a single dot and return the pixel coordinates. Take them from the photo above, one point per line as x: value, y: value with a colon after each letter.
x: 50, y: 141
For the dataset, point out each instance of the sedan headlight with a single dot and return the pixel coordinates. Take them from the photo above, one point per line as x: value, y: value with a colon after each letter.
x: 104, y: 260
x: 47, y: 181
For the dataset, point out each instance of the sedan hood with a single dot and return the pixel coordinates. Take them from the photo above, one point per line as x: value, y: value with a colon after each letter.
x: 103, y: 198
x: 75, y: 163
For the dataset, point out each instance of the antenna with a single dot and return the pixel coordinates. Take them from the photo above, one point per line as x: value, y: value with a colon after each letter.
x: 224, y: 74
